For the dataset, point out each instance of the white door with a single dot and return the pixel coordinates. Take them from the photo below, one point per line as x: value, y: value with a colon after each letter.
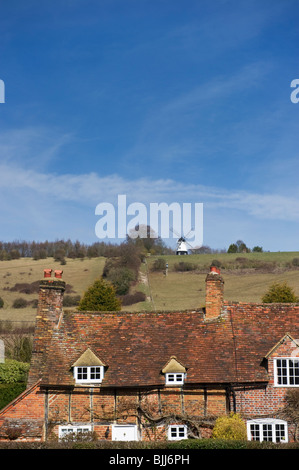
x: 124, y: 432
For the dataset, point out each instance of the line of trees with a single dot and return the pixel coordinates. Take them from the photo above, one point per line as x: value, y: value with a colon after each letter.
x: 240, y: 247
x: 61, y: 249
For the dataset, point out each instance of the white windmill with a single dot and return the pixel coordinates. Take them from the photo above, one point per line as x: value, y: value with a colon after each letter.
x: 181, y: 246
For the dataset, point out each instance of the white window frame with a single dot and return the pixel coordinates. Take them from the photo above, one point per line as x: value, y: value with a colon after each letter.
x: 176, y: 432
x: 175, y: 378
x: 287, y: 377
x: 64, y: 431
x: 267, y: 429
x: 88, y: 371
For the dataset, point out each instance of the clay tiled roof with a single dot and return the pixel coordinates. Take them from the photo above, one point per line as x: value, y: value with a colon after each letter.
x: 135, y: 347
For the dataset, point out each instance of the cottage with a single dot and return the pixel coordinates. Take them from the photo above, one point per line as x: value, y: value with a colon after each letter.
x: 139, y: 376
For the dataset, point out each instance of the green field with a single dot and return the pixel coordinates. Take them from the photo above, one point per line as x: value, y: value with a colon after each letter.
x: 246, y: 280
x: 186, y: 290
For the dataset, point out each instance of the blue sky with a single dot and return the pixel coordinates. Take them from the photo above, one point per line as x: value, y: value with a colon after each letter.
x: 161, y: 101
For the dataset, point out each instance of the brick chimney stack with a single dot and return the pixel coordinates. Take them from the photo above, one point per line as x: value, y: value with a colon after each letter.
x: 49, y: 311
x: 214, y: 293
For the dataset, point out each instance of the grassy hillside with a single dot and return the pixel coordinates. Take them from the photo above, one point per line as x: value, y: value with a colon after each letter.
x: 78, y: 274
x: 247, y: 277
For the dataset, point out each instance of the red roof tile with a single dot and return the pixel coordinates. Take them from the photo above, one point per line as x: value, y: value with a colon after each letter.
x: 136, y: 346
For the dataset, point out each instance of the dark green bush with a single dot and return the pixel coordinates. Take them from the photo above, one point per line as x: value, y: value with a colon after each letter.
x: 9, y: 392
x: 121, y: 277
x: 207, y: 444
x: 100, y: 297
x: 228, y: 444
x: 281, y: 293
x: 12, y: 371
x: 159, y: 265
x: 180, y: 445
x: 216, y: 263
x: 184, y: 266
x: 130, y: 299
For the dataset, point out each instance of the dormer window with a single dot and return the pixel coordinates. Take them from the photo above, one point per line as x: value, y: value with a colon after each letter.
x: 90, y: 374
x: 88, y: 369
x: 176, y: 378
x: 175, y: 372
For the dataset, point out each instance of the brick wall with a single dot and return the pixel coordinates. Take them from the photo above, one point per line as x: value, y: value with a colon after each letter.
x: 103, y: 407
x: 24, y: 417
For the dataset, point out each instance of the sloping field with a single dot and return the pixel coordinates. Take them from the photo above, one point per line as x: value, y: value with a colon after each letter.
x: 78, y: 274
x: 247, y: 277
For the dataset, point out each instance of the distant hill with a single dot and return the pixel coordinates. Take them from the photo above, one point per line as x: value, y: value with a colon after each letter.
x: 247, y: 276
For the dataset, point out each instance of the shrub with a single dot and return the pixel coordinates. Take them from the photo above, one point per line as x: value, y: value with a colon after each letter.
x: 230, y: 427
x: 1, y: 302
x: 9, y: 392
x: 130, y: 299
x: 12, y: 371
x: 280, y: 292
x: 183, y: 266
x: 26, y: 288
x: 100, y: 296
x: 121, y: 278
x: 20, y: 303
x: 208, y: 444
x: 34, y: 303
x: 232, y: 248
x: 159, y: 265
x: 216, y: 263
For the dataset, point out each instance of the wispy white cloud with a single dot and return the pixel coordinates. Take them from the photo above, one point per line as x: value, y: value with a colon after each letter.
x: 91, y: 189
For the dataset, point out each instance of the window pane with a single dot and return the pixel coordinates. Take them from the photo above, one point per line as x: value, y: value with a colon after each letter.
x: 282, y: 374
x: 95, y: 373
x: 279, y: 432
x: 255, y: 432
x: 170, y: 377
x: 294, y: 371
x: 267, y: 432
x: 82, y: 373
